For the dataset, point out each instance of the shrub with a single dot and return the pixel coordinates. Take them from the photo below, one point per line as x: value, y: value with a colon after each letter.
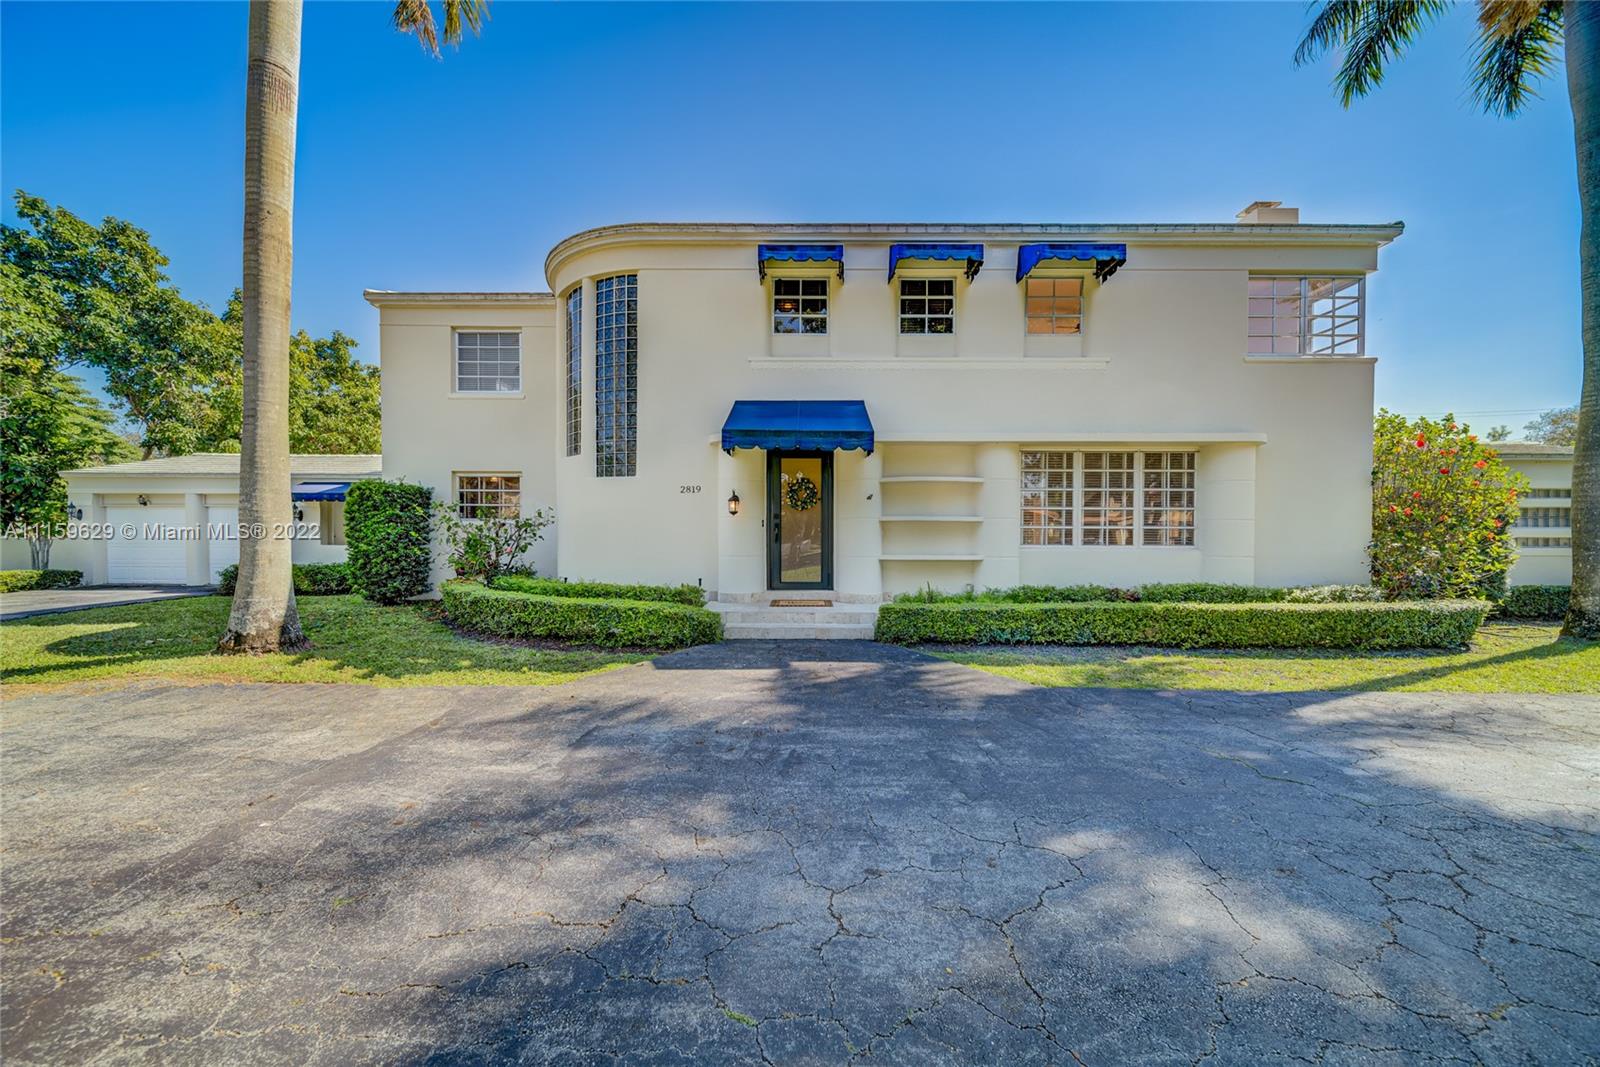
x: 21, y: 581
x: 1209, y: 593
x: 1430, y: 624
x: 387, y: 532
x: 691, y: 595
x: 310, y: 579
x: 608, y: 623
x: 490, y: 545
x: 1441, y: 505
x: 1536, y: 601
x: 1063, y: 594
x: 1333, y: 594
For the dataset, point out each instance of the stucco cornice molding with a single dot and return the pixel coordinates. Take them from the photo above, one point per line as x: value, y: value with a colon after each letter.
x: 382, y: 298
x: 1147, y: 233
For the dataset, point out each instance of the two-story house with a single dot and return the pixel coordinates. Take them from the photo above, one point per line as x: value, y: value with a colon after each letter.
x: 868, y: 408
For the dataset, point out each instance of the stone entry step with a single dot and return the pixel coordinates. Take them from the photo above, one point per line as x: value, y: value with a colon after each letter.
x: 766, y: 622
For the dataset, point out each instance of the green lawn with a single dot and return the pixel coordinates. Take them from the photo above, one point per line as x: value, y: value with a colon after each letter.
x: 352, y: 641
x: 1505, y: 658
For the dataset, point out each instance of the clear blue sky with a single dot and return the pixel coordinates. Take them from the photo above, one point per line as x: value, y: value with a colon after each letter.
x: 461, y: 173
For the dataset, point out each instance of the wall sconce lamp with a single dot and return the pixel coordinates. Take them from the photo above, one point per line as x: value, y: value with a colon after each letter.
x: 733, y: 503
x: 299, y: 513
x: 144, y: 501
x: 74, y: 512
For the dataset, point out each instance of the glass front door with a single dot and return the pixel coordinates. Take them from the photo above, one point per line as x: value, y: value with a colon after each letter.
x: 800, y: 520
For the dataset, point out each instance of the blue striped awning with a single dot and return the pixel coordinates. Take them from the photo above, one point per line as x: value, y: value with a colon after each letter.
x: 1105, y: 257
x: 799, y: 254
x: 973, y: 254
x: 806, y: 425
x: 320, y: 490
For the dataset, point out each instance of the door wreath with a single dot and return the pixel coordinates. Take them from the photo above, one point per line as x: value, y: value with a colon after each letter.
x: 801, y: 493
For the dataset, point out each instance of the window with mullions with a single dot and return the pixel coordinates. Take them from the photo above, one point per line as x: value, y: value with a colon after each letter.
x: 575, y: 371
x: 799, y: 305
x: 1055, y: 305
x: 1534, y: 517
x: 487, y: 496
x: 927, y: 305
x: 1046, y: 498
x: 1305, y: 316
x: 1169, y: 498
x: 616, y: 376
x: 488, y: 362
x: 1108, y: 498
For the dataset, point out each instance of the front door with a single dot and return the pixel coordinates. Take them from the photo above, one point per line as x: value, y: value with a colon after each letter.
x: 800, y: 520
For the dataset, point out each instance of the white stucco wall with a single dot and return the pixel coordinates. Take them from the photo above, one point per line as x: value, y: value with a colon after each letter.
x: 1283, y: 444
x: 1543, y: 565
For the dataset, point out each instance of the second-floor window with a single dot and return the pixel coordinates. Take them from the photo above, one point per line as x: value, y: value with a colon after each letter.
x: 799, y: 305
x: 488, y: 362
x: 1306, y: 316
x: 616, y: 376
x: 575, y: 371
x: 1055, y: 305
x: 927, y: 305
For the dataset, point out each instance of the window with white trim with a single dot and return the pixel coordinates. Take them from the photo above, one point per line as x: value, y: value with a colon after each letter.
x: 799, y: 305
x: 1055, y: 305
x: 616, y: 376
x: 927, y: 305
x: 485, y: 496
x: 575, y: 371
x: 488, y: 362
x: 1168, y: 516
x: 1108, y: 498
x: 1291, y: 316
x: 1047, y: 497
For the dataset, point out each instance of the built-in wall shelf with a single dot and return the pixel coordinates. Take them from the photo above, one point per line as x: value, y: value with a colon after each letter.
x: 937, y: 557
x: 906, y: 479
x: 930, y: 518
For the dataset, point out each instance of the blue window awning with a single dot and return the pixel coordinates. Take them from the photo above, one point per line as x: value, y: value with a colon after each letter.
x: 320, y: 490
x: 812, y: 425
x: 1105, y: 257
x: 973, y: 254
x: 799, y: 254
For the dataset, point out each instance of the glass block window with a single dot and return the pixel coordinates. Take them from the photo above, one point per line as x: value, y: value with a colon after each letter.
x: 1545, y: 517
x: 1306, y: 316
x: 1545, y: 493
x: 1545, y: 542
x: 488, y: 362
x: 1168, y: 498
x: 799, y: 305
x: 575, y: 371
x: 1055, y: 305
x: 1108, y: 499
x: 1047, y: 497
x: 616, y: 376
x: 484, y: 496
x: 927, y: 305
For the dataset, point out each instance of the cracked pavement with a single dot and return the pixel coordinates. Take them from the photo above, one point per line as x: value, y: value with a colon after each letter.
x: 797, y: 854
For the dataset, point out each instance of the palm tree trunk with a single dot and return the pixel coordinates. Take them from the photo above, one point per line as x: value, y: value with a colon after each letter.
x: 1581, y: 28
x: 264, y: 618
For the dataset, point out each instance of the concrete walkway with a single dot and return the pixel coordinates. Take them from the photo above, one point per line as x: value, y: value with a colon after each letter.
x: 55, y: 601
x: 764, y: 853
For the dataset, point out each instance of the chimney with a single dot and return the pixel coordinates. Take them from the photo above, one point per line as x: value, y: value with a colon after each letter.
x: 1264, y: 211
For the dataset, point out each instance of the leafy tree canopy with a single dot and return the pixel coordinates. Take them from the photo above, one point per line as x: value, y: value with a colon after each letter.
x: 1557, y: 427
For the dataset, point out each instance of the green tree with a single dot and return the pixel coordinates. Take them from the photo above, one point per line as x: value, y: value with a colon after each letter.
x: 264, y: 617
x: 1519, y: 42
x: 112, y: 307
x: 1556, y: 427
x: 1442, y: 507
x: 1498, y: 433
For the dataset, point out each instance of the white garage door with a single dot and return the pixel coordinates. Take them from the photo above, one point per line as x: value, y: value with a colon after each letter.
x: 144, y: 559
x: 222, y: 525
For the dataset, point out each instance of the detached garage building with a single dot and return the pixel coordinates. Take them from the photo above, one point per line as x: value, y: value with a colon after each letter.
x: 175, y: 521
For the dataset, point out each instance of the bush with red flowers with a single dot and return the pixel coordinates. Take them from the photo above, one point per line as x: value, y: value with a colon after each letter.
x: 1442, y: 508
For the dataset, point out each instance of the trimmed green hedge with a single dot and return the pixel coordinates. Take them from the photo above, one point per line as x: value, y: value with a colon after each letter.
x: 608, y: 623
x: 310, y: 579
x: 387, y: 535
x: 691, y: 595
x: 1536, y: 601
x: 1159, y: 593
x: 1209, y: 593
x: 21, y: 581
x: 1411, y: 624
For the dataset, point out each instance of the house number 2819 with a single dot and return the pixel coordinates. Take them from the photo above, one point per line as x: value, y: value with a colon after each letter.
x: 688, y: 488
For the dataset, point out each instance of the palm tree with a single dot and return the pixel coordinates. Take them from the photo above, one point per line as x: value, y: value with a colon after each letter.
x: 1518, y: 43
x: 264, y: 617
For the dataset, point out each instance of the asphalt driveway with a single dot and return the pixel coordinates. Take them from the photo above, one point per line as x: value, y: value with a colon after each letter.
x: 796, y: 854
x: 30, y: 602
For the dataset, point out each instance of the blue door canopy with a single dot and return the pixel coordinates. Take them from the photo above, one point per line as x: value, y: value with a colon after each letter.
x: 973, y: 254
x: 321, y: 490
x: 798, y: 254
x: 801, y: 425
x: 1106, y: 258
